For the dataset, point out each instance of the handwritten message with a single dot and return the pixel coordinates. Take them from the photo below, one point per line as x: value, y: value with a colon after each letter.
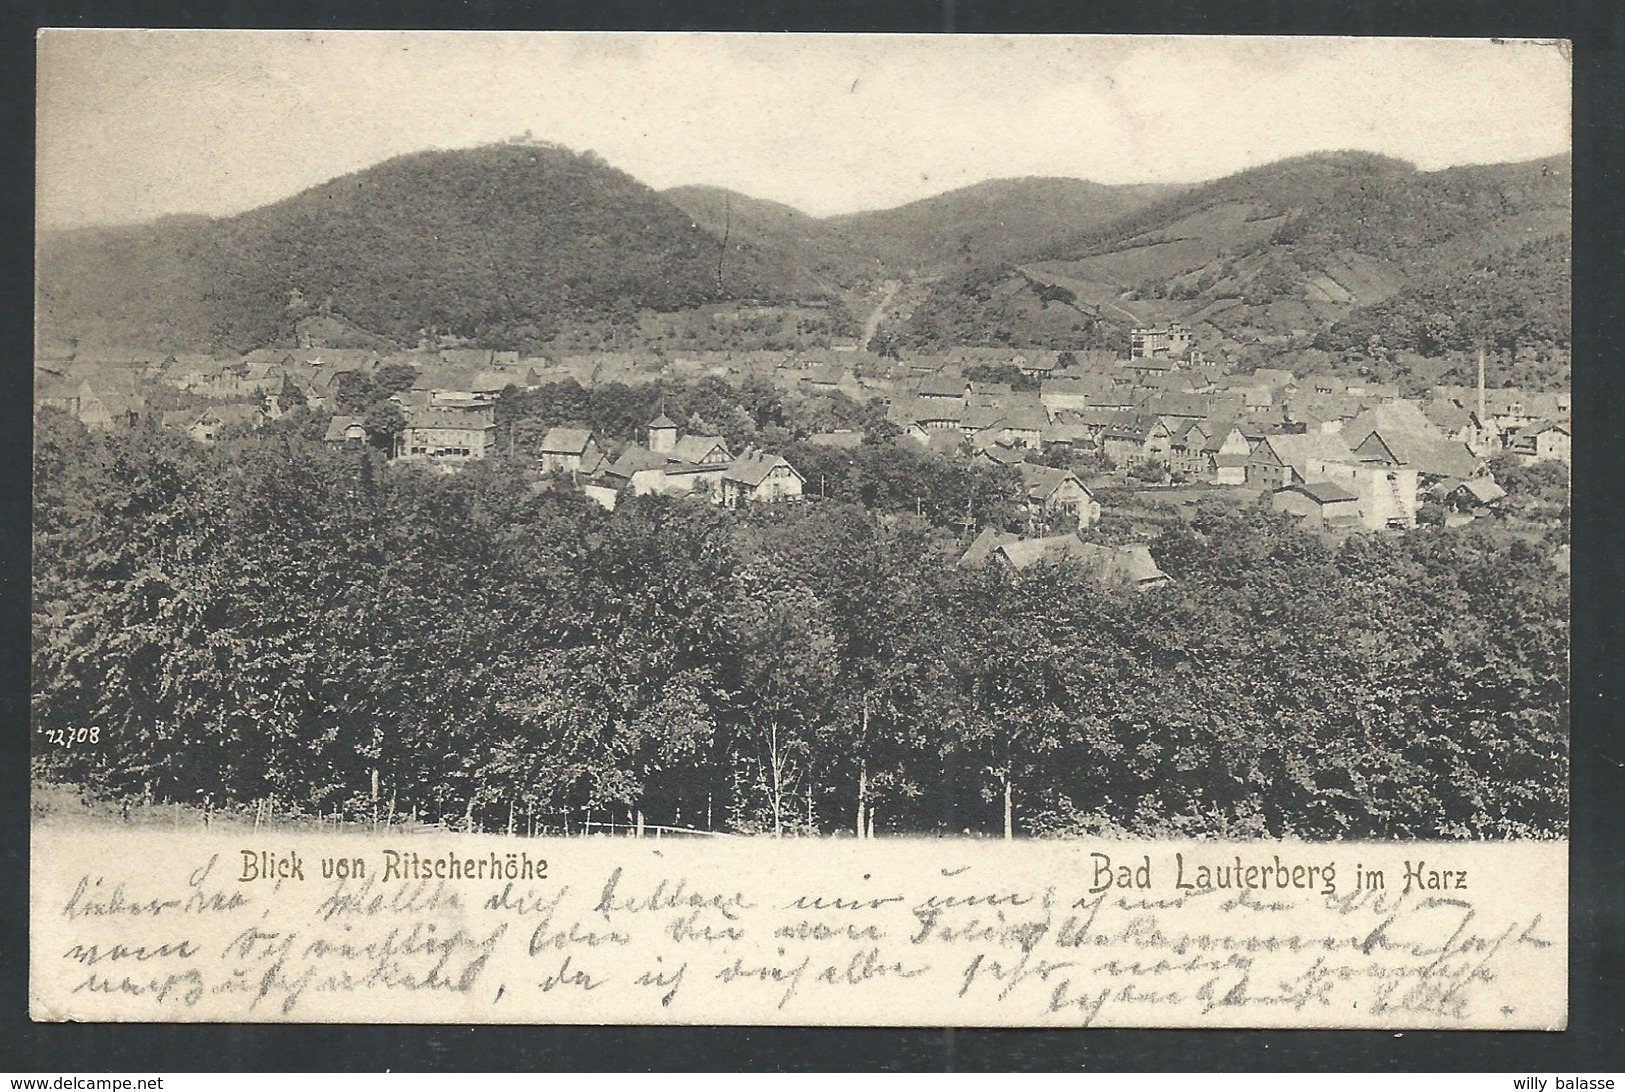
x: 182, y: 926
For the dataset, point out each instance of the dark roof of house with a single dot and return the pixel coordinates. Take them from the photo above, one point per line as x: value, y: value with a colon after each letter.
x: 1131, y: 565
x: 441, y: 377
x: 1004, y: 456
x: 449, y: 417
x: 1178, y: 405
x: 566, y: 441
x: 1430, y: 455
x: 1484, y: 489
x: 1077, y: 385
x: 941, y: 386
x: 1447, y: 415
x: 694, y: 449
x: 339, y: 425
x: 826, y: 375
x: 1217, y: 433
x: 752, y: 470
x: 936, y: 409
x: 1129, y: 426
x: 1321, y: 492
x: 1026, y: 418
x: 982, y: 547
x: 662, y: 422
x: 1296, y: 449
x: 1041, y: 482
x: 635, y: 458
x: 495, y: 379
x: 1065, y: 429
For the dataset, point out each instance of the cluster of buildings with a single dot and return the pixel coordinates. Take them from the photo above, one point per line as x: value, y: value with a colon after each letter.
x: 671, y: 464
x: 1337, y: 452
x: 1334, y: 451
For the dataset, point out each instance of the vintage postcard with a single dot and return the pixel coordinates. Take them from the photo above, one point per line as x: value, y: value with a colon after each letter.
x: 839, y: 530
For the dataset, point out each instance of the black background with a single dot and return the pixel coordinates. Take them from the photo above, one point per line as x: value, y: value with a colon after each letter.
x: 1595, y: 1040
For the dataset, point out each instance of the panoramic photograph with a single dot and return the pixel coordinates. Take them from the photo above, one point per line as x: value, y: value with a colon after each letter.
x: 836, y: 437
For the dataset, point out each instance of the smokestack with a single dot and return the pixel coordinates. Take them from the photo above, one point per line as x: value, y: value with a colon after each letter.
x: 1481, y: 386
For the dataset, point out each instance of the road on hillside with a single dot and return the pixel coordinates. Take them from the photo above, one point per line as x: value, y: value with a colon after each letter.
x: 888, y: 292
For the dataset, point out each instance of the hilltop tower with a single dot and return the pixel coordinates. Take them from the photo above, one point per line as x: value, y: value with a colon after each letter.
x: 662, y: 435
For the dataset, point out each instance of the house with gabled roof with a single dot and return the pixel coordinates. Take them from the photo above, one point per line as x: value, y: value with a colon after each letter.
x: 931, y: 414
x: 345, y: 428
x: 698, y: 465
x: 982, y: 547
x: 1036, y: 363
x: 205, y: 426
x: 1055, y: 496
x: 637, y: 470
x: 1225, y: 452
x: 1122, y: 566
x: 1471, y: 494
x: 110, y: 396
x: 1177, y: 407
x: 942, y: 387
x: 1017, y: 426
x: 1187, y: 452
x: 1254, y: 394
x: 1148, y: 369
x: 1134, y: 438
x: 448, y: 434
x: 1073, y: 392
x: 1387, y: 494
x: 1320, y: 505
x: 569, y: 450
x: 490, y: 382
x: 1070, y: 429
x: 1281, y: 460
x: 757, y: 477
x: 1543, y: 441
x: 999, y: 454
x: 701, y: 450
x: 1432, y: 457
x: 1454, y: 422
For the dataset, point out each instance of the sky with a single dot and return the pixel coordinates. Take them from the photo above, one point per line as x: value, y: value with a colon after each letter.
x: 133, y: 125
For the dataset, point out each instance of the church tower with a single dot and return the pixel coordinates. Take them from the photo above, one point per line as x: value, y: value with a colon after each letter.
x: 662, y: 435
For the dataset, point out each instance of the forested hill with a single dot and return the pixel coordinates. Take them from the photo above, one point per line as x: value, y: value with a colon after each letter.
x: 999, y: 220
x: 512, y: 244
x: 1283, y: 255
x: 499, y: 243
x: 800, y: 244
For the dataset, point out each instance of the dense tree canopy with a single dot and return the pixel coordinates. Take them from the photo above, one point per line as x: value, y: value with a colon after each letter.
x: 272, y: 617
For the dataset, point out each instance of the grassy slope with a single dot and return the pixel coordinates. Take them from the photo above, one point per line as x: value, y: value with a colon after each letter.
x: 1278, y: 253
